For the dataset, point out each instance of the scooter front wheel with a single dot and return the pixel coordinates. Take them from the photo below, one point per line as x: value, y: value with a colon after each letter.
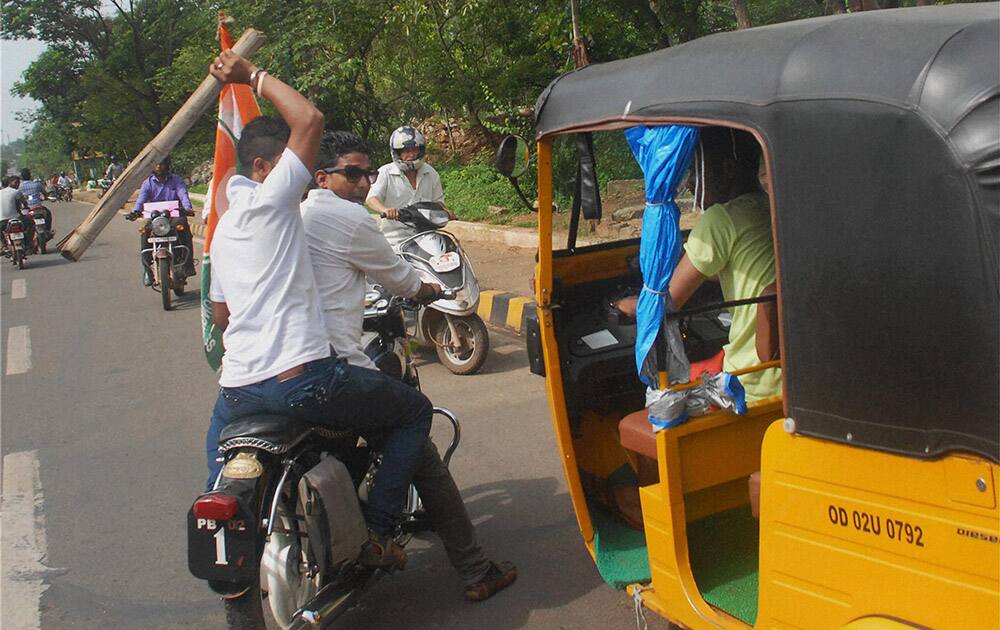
x: 467, y: 353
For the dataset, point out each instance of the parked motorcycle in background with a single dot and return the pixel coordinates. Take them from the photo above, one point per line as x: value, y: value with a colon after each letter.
x: 280, y: 534
x: 165, y: 257
x: 452, y: 325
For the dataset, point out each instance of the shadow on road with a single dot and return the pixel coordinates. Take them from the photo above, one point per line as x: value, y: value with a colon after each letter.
x: 527, y: 521
x: 507, y: 354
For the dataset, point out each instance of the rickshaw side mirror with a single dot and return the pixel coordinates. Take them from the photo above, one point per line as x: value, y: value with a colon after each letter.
x: 513, y: 157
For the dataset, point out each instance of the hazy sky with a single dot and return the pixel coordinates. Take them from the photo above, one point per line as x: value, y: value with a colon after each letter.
x: 15, y: 56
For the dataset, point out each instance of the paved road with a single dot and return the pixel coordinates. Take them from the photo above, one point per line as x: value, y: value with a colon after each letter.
x: 105, y: 402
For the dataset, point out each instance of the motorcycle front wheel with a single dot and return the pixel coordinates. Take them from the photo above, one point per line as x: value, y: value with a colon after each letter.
x: 163, y: 269
x: 469, y: 354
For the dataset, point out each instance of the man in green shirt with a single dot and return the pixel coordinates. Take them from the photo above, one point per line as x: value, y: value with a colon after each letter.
x: 732, y: 243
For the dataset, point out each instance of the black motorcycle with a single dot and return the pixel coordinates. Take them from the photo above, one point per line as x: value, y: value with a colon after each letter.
x: 280, y: 534
x: 165, y: 257
x: 15, y: 237
x: 39, y: 215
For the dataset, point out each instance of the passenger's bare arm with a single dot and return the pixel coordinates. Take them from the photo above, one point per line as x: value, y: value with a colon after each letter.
x: 768, y: 346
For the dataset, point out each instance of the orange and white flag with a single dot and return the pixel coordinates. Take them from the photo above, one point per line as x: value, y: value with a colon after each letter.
x: 237, y: 107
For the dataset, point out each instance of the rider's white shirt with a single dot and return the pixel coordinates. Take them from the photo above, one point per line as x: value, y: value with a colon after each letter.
x: 393, y: 189
x: 260, y: 268
x: 345, y: 245
x: 8, y: 203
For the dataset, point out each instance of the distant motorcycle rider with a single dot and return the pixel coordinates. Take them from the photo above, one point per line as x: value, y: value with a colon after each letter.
x: 406, y: 180
x: 11, y: 203
x: 34, y: 195
x: 114, y: 170
x: 163, y: 185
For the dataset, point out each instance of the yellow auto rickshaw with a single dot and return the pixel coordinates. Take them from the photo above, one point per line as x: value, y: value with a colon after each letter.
x: 878, y: 460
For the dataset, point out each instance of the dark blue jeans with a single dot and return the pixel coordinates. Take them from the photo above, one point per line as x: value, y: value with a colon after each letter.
x: 342, y: 396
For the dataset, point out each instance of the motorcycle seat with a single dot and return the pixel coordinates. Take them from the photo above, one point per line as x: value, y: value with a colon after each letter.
x: 272, y: 433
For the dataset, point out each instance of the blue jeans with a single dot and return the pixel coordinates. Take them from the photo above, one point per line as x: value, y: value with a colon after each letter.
x: 332, y: 393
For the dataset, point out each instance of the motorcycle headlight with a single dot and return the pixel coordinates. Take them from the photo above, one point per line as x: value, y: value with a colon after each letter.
x: 160, y: 226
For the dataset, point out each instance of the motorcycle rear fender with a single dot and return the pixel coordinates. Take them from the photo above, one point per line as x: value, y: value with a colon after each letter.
x: 241, y: 570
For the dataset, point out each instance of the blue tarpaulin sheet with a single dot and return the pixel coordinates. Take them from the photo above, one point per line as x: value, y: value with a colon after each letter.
x: 664, y: 153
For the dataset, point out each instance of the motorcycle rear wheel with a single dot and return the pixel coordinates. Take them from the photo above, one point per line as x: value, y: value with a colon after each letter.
x: 253, y: 609
x: 19, y: 258
x: 163, y: 268
x: 43, y: 246
x: 470, y: 358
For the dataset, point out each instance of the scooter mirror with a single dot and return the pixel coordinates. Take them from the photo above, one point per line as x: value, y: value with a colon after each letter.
x: 513, y: 157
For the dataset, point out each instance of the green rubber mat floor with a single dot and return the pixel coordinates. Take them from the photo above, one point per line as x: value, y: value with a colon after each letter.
x: 620, y: 550
x: 723, y: 549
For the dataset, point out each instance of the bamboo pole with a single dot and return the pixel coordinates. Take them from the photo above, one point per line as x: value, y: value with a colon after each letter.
x: 207, y: 95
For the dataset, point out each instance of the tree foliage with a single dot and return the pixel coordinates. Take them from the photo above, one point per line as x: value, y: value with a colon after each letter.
x: 116, y: 70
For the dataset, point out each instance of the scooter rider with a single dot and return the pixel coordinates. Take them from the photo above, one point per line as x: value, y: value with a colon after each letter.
x: 406, y: 180
x: 265, y: 300
x: 163, y: 185
x: 345, y: 246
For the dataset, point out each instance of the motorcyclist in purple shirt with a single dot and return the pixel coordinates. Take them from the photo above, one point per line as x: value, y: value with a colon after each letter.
x: 163, y: 185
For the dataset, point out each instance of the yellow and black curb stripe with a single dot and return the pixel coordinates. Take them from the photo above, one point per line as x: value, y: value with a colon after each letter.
x: 505, y: 310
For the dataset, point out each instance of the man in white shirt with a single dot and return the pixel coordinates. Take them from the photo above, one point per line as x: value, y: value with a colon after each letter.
x: 264, y: 298
x: 406, y: 180
x: 345, y: 246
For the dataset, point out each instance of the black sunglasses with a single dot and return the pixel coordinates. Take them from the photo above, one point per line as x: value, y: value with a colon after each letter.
x: 353, y: 173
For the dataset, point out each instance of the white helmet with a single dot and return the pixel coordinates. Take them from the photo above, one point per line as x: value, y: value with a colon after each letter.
x: 404, y: 138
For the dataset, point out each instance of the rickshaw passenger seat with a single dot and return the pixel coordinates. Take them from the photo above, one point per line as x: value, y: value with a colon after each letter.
x: 636, y: 434
x: 635, y: 431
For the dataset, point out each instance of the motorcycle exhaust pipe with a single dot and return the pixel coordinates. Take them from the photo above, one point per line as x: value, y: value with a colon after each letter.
x: 332, y: 601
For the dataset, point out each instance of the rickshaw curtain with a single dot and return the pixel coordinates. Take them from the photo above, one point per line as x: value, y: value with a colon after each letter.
x: 664, y: 153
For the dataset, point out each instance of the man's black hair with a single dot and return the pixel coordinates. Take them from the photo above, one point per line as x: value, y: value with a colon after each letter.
x: 723, y: 143
x: 4, y: 182
x: 265, y: 137
x: 166, y: 160
x: 25, y: 175
x: 336, y: 144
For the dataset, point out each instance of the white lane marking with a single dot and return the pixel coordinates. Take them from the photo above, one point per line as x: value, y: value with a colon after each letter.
x: 18, y: 350
x: 18, y: 289
x: 22, y: 531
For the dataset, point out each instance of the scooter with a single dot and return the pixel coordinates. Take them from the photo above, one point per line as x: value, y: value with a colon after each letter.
x: 453, y: 325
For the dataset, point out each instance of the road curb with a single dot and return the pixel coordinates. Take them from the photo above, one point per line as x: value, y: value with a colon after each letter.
x: 505, y: 310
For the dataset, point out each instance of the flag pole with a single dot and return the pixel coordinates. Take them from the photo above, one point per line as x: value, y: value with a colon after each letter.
x: 206, y: 95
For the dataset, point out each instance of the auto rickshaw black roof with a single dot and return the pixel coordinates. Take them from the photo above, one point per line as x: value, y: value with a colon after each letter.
x: 883, y: 137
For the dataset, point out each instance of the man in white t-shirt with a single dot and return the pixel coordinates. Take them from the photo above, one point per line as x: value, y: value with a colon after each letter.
x: 263, y: 293
x: 345, y: 246
x: 406, y: 180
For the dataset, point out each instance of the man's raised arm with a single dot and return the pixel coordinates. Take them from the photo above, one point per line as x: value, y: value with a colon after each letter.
x: 304, y: 120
